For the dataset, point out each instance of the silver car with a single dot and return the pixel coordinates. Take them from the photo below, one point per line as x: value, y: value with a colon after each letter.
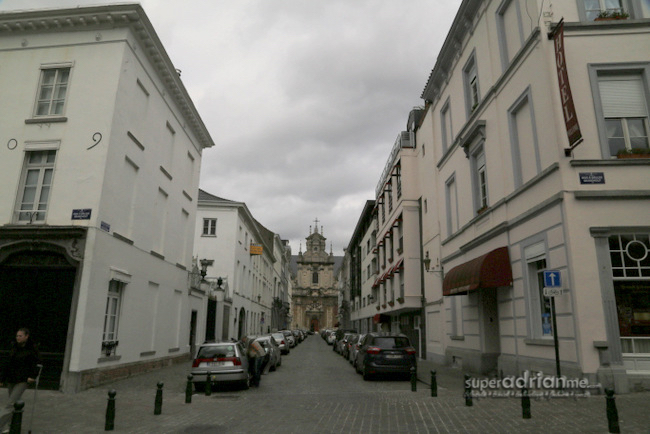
x: 282, y: 342
x: 272, y: 351
x: 221, y: 362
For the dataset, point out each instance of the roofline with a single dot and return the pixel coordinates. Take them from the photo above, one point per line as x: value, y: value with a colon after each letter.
x: 131, y: 15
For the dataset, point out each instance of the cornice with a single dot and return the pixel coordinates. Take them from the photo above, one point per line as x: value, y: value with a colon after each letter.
x: 132, y: 16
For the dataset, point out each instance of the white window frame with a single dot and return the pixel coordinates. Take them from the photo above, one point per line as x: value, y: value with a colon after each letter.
x: 36, y: 210
x: 471, y: 84
x: 479, y: 178
x: 52, y: 99
x: 592, y: 14
x: 535, y: 263
x: 508, y: 52
x: 113, y: 310
x: 209, y: 227
x: 451, y: 204
x: 604, y: 72
x: 446, y: 130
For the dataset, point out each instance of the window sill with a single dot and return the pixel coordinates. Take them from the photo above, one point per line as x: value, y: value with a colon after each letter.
x: 541, y: 342
x: 47, y: 120
x: 108, y: 359
x: 457, y: 338
x: 209, y: 236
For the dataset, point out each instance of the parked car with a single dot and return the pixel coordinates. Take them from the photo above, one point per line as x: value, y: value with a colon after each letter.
x: 274, y: 358
x: 289, y: 337
x: 298, y: 335
x: 282, y: 342
x: 354, y: 348
x: 385, y: 353
x: 331, y: 337
x: 220, y: 362
x: 342, y: 343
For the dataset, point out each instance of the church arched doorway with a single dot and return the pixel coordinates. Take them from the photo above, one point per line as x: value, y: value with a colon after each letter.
x: 314, y: 325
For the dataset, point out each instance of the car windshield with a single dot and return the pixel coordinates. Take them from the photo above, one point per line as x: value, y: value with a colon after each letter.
x: 216, y: 351
x: 391, y: 342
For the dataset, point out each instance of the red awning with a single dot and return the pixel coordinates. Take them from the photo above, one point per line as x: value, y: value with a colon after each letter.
x: 488, y: 271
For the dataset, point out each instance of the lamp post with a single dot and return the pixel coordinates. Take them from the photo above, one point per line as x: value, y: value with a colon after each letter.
x: 427, y: 266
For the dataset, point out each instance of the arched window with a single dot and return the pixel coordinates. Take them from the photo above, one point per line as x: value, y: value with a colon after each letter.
x: 314, y: 277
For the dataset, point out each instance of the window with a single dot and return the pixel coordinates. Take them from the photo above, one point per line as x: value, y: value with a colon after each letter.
x: 314, y: 277
x: 514, y: 26
x: 112, y: 316
x: 457, y: 316
x: 389, y: 192
x: 52, y: 91
x: 479, y: 179
x: 451, y: 199
x: 523, y: 140
x: 594, y: 7
x: 35, y: 188
x: 470, y: 81
x: 540, y: 306
x: 398, y: 178
x: 445, y: 123
x: 625, y: 112
x: 209, y: 227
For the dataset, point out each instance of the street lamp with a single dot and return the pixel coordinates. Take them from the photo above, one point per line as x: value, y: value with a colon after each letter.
x: 427, y: 265
x: 205, y: 263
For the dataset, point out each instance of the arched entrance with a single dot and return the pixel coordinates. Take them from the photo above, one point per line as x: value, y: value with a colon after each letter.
x: 36, y: 290
x: 314, y: 324
x: 242, y: 323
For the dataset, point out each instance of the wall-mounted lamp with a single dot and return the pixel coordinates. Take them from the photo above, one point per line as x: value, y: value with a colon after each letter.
x: 427, y: 265
x: 205, y: 263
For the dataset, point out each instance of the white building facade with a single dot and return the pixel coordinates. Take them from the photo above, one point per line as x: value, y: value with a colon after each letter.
x: 520, y: 199
x: 100, y: 172
x: 243, y: 255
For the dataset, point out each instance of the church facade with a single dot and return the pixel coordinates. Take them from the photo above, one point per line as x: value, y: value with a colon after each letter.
x: 315, y: 297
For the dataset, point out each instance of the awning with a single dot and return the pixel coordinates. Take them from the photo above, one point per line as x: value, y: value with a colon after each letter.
x: 488, y: 271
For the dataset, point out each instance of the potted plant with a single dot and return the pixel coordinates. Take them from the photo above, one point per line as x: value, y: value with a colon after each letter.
x: 482, y: 209
x: 400, y: 299
x: 377, y: 307
x: 634, y: 153
x: 384, y: 305
x: 391, y: 303
x: 612, y: 15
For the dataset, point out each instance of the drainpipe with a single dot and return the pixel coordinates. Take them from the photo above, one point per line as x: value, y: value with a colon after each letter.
x: 423, y: 335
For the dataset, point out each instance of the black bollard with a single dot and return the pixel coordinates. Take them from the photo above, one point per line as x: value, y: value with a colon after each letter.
x: 208, y: 386
x: 159, y: 398
x: 612, y: 413
x: 17, y: 418
x: 525, y: 404
x: 468, y: 391
x: 414, y: 379
x: 109, y: 425
x: 434, y: 384
x: 188, y: 390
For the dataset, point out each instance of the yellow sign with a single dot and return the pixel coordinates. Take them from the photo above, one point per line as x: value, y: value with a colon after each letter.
x: 256, y: 249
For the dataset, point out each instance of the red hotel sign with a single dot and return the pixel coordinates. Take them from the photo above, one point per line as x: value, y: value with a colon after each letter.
x: 568, y: 109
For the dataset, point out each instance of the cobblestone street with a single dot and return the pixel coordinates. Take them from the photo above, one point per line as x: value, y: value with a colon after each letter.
x: 316, y: 390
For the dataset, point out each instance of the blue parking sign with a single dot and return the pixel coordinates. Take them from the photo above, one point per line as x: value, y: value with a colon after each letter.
x: 552, y: 279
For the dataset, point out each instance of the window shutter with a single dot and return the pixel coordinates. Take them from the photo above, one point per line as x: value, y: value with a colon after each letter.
x: 622, y: 97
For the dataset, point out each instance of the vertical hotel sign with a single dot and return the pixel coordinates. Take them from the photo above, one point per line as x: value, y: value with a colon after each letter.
x: 568, y: 108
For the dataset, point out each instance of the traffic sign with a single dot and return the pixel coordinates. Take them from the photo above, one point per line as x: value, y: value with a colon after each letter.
x: 552, y: 279
x: 553, y: 292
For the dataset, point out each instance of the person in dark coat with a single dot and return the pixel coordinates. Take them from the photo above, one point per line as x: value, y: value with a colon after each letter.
x: 19, y: 370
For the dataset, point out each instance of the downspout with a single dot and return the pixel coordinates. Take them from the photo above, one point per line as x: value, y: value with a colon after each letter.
x: 423, y: 300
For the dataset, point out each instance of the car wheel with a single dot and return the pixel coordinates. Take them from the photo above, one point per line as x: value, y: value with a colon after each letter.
x: 246, y: 384
x: 366, y: 375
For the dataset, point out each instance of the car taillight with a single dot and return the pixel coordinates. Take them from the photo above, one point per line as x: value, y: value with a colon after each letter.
x: 235, y: 360
x: 373, y: 350
x: 284, y: 343
x: 410, y: 350
x: 197, y: 362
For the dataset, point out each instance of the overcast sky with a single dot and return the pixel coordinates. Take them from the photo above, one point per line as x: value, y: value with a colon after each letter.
x: 303, y: 98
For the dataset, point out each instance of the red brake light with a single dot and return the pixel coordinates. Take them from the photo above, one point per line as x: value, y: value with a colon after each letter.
x: 410, y: 350
x: 373, y: 350
x: 197, y: 362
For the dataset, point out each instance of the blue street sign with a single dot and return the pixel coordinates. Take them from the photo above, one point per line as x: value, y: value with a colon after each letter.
x: 552, y: 279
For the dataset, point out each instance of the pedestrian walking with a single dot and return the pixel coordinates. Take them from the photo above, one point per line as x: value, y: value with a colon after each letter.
x: 255, y: 354
x: 19, y: 370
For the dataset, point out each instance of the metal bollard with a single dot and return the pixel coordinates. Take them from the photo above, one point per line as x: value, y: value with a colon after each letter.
x: 188, y: 390
x: 414, y: 379
x: 434, y: 384
x: 208, y: 385
x: 612, y: 412
x: 17, y: 418
x: 159, y: 399
x: 109, y: 425
x: 468, y: 391
x: 525, y: 404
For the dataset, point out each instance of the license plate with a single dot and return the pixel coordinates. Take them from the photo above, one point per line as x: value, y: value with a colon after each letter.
x: 393, y: 356
x: 220, y: 364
